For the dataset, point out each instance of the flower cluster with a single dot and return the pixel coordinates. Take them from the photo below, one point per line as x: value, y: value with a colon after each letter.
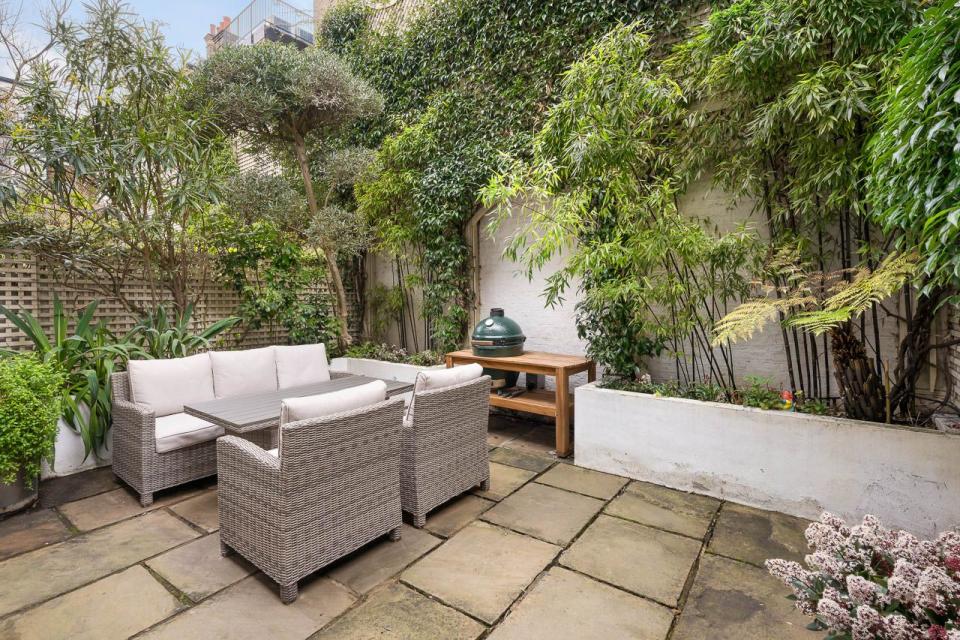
x: 872, y: 583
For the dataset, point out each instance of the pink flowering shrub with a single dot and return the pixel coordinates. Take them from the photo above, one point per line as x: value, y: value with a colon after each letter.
x: 871, y: 583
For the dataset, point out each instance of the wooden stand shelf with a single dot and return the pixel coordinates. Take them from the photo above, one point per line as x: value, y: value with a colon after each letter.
x: 558, y: 404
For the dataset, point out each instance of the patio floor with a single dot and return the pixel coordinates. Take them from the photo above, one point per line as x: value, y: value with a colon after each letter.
x: 551, y: 551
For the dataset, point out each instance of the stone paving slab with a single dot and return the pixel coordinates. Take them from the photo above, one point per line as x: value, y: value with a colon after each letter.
x: 113, y: 506
x: 457, y: 514
x: 115, y: 607
x: 540, y: 440
x: 197, y: 568
x: 481, y: 570
x: 646, y: 561
x: 731, y: 600
x: 504, y: 480
x: 37, y: 575
x: 755, y: 536
x: 550, y: 514
x: 685, y: 513
x: 57, y: 491
x: 251, y: 610
x: 586, y: 481
x: 372, y: 565
x: 200, y: 510
x: 517, y: 458
x: 400, y: 613
x: 565, y: 605
x: 31, y: 530
x: 500, y: 431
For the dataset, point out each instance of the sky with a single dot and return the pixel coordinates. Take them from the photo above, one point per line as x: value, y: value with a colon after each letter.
x: 184, y: 22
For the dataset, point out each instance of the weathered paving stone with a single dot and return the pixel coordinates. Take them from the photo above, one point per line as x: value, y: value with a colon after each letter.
x: 114, y: 506
x: 735, y: 601
x: 44, y: 573
x: 544, y: 512
x: 565, y: 605
x: 457, y: 514
x: 200, y: 510
x: 646, y: 561
x: 198, y: 569
x: 251, y: 610
x: 399, y: 613
x: 540, y: 440
x: 31, y: 530
x: 501, y: 431
x: 57, y: 491
x: 515, y: 458
x: 585, y: 481
x: 664, y: 508
x: 117, y: 606
x: 504, y: 480
x: 755, y: 536
x: 372, y: 565
x: 481, y: 570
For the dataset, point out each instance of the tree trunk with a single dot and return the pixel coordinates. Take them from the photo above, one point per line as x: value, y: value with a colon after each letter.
x: 329, y: 253
x: 912, y: 354
x: 862, y: 391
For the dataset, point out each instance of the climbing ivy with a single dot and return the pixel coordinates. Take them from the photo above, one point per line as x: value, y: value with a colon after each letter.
x: 466, y: 82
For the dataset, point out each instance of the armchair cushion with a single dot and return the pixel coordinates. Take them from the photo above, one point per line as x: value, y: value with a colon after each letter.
x: 236, y: 373
x: 325, y: 404
x: 439, y: 378
x: 180, y: 430
x: 301, y: 364
x: 165, y: 385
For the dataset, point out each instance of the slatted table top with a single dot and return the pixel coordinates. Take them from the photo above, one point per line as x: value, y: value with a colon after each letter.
x: 243, y: 414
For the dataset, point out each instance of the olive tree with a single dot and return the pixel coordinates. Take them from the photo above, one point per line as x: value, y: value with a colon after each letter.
x: 283, y: 99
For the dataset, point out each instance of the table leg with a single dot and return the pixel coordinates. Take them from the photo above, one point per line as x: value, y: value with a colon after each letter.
x: 592, y: 372
x: 563, y: 415
x: 449, y: 361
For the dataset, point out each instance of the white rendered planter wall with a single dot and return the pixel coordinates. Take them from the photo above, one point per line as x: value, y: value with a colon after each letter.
x: 794, y: 463
x: 379, y: 368
x: 68, y: 457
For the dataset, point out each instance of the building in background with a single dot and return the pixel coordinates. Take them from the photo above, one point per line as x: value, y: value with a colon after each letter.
x: 273, y: 20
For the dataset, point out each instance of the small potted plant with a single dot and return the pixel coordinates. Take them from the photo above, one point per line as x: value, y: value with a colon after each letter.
x: 30, y: 392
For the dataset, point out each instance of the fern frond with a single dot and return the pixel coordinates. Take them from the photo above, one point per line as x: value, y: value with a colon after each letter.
x: 868, y: 286
x: 820, y: 321
x: 752, y: 315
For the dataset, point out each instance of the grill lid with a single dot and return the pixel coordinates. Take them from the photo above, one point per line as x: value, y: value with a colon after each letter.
x: 497, y: 335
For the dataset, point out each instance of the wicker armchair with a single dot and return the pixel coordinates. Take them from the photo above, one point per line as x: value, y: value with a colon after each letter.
x: 444, y: 446
x: 135, y: 457
x: 334, y: 487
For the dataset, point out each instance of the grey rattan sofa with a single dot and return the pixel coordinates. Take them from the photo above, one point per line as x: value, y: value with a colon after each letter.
x: 444, y: 446
x: 333, y: 487
x: 156, y: 446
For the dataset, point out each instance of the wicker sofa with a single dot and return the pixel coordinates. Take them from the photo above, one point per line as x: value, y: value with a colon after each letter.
x: 156, y: 445
x: 331, y: 487
x: 444, y: 449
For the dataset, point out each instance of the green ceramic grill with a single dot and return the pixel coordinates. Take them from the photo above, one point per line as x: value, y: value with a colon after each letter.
x: 497, y: 336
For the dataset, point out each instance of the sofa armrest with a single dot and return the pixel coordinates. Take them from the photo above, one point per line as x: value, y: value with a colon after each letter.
x: 241, y: 462
x: 133, y: 421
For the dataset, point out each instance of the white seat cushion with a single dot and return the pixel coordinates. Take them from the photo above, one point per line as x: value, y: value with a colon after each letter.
x: 301, y: 364
x: 237, y: 373
x: 180, y: 430
x: 165, y: 385
x: 440, y: 378
x: 326, y: 404
x: 274, y: 452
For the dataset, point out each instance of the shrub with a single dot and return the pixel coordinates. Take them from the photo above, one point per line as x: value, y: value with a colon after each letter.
x: 389, y: 353
x: 29, y: 409
x: 869, y: 582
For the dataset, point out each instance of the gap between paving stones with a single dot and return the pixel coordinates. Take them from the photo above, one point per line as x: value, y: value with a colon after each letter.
x: 694, y: 570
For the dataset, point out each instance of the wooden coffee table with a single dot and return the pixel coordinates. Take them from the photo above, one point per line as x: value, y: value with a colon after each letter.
x: 242, y: 414
x: 558, y: 404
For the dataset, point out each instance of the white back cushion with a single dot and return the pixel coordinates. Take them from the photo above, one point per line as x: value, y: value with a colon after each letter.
x: 237, y: 373
x: 301, y: 364
x: 325, y: 404
x: 439, y: 378
x: 165, y: 385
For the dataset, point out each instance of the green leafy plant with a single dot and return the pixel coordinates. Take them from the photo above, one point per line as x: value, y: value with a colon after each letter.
x: 168, y: 334
x: 30, y: 396
x: 87, y: 353
x: 758, y: 393
x: 278, y: 97
x: 388, y: 353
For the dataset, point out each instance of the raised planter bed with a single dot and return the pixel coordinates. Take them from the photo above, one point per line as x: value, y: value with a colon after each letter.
x: 380, y: 368
x: 68, y: 458
x: 794, y: 463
